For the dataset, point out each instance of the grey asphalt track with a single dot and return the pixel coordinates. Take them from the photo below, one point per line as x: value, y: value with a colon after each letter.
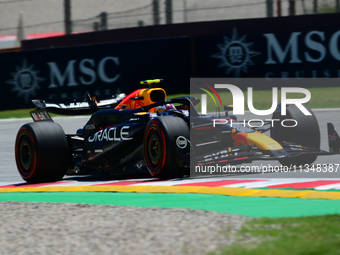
x: 10, y: 127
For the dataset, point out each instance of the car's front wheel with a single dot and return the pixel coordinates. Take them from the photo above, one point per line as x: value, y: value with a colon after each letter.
x: 165, y: 137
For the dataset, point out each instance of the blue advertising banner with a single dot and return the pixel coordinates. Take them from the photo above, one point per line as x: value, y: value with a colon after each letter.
x: 286, y: 49
x: 101, y: 69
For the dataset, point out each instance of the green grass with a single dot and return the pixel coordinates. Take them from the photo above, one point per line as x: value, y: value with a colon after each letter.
x: 321, y: 98
x: 20, y: 113
x: 288, y: 236
x: 324, y: 8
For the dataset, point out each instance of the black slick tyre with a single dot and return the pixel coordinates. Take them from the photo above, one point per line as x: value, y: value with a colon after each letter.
x: 41, y: 152
x: 161, y: 139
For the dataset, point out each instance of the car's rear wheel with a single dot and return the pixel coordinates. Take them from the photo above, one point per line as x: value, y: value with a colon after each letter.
x: 306, y: 133
x: 41, y: 152
x: 164, y: 137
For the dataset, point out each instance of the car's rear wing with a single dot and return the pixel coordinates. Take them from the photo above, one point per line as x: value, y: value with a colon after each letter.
x: 86, y: 105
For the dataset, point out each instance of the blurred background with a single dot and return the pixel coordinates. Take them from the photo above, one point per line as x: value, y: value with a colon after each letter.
x: 53, y: 49
x: 45, y: 18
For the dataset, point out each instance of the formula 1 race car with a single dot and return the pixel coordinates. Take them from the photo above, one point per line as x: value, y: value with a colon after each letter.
x: 145, y: 132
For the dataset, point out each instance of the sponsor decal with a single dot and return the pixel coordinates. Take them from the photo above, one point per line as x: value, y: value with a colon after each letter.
x: 40, y: 116
x: 219, y: 155
x: 111, y: 134
x: 181, y: 142
x: 296, y: 148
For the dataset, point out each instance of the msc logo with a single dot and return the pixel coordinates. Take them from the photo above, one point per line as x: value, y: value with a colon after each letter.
x: 235, y: 54
x: 25, y: 81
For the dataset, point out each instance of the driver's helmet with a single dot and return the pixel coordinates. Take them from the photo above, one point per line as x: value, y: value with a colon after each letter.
x: 160, y: 109
x: 170, y: 107
x: 164, y: 108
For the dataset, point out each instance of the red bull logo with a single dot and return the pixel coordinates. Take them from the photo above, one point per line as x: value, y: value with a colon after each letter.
x: 239, y: 138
